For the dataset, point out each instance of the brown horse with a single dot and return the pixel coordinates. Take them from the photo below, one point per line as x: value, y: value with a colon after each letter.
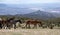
x: 33, y: 22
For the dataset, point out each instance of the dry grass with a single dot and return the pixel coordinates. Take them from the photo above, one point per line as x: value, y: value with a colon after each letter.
x: 30, y: 32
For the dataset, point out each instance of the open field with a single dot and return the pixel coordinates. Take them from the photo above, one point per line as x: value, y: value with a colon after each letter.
x: 30, y: 32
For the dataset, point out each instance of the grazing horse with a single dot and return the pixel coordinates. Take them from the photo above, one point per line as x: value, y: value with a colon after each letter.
x: 4, y: 22
x: 8, y: 23
x: 33, y: 22
x: 15, y: 22
x: 12, y: 22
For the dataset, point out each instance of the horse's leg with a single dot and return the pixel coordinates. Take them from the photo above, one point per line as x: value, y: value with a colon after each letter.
x: 4, y: 25
x: 0, y: 26
x: 18, y: 25
x: 14, y: 25
x: 29, y: 26
x: 9, y: 25
x: 35, y: 26
x: 26, y: 25
x: 39, y: 24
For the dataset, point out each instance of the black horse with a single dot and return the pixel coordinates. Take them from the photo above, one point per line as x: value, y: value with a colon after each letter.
x: 15, y: 22
x: 12, y: 22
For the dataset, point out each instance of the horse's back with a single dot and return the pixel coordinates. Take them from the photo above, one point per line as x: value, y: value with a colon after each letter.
x: 32, y: 22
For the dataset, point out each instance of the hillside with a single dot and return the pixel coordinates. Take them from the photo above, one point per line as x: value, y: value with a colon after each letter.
x: 39, y: 15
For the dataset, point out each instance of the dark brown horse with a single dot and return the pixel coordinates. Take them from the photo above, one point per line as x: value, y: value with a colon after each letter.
x: 8, y: 23
x: 5, y: 22
x: 12, y: 22
x: 2, y: 23
x: 33, y: 22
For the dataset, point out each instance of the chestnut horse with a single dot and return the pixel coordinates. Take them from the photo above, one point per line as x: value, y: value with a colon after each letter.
x: 33, y: 22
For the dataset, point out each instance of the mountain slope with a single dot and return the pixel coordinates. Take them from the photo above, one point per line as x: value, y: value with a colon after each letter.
x: 39, y: 15
x: 13, y: 9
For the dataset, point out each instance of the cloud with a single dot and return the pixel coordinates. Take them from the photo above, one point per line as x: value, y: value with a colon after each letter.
x: 34, y: 8
x: 37, y: 9
x: 55, y: 11
x: 1, y: 1
x: 29, y: 1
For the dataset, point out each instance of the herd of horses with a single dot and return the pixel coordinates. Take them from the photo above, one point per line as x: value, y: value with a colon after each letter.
x: 9, y: 23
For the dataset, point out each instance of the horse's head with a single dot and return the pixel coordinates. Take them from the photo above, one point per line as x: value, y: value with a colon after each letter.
x: 40, y: 23
x: 19, y: 21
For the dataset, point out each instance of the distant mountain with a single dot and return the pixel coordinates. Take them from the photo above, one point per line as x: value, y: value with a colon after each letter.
x: 3, y: 5
x: 39, y: 11
x: 12, y: 9
x: 39, y: 15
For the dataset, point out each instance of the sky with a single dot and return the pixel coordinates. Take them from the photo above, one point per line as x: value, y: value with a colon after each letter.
x: 28, y: 1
